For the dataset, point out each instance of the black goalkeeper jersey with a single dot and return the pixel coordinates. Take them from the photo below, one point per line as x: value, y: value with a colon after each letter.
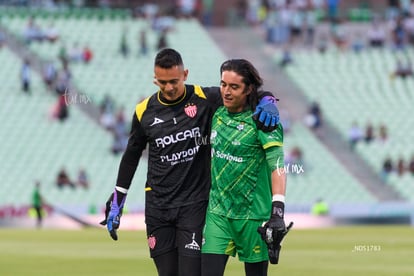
x: 179, y: 153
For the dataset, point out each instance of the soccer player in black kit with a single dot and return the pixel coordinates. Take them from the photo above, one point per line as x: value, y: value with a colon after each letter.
x: 175, y: 122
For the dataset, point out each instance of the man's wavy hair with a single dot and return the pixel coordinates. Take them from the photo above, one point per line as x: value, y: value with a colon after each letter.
x: 250, y: 75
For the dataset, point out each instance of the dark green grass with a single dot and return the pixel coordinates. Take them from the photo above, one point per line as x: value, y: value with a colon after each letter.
x: 372, y: 250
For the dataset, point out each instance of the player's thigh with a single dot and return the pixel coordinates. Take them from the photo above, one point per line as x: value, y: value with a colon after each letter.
x: 217, y: 236
x: 249, y: 244
x: 161, y: 231
x: 190, y: 223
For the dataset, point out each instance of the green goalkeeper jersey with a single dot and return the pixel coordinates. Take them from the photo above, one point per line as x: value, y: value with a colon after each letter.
x: 240, y: 174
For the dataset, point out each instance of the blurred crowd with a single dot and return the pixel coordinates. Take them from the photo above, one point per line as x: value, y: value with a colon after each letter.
x: 287, y: 23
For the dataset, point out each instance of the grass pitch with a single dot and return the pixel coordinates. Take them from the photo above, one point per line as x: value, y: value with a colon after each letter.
x: 373, y: 250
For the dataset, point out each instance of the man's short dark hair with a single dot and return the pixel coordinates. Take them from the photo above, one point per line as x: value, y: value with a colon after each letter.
x: 168, y: 58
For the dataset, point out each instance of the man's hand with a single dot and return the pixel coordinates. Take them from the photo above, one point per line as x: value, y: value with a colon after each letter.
x: 266, y: 114
x: 113, y: 213
x: 273, y: 231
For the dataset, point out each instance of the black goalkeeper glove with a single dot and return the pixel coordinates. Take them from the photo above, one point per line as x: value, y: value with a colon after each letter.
x: 273, y: 231
x: 113, y: 213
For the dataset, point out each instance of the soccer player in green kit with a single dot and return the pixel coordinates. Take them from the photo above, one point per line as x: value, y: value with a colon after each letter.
x: 248, y: 181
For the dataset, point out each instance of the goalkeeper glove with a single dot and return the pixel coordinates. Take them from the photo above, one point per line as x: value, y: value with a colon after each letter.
x: 273, y: 231
x: 113, y: 213
x: 266, y: 114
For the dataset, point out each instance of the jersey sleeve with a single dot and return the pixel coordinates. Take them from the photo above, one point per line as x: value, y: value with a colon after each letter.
x: 271, y: 139
x: 212, y: 95
x: 263, y: 93
x: 272, y: 143
x: 136, y: 144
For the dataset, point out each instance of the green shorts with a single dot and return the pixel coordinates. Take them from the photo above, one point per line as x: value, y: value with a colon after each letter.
x: 227, y: 236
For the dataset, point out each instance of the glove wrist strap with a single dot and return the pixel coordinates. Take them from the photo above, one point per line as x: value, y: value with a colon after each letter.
x: 278, y: 209
x: 278, y: 197
x: 120, y: 198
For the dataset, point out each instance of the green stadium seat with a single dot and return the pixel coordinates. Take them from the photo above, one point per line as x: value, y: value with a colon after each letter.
x: 375, y: 97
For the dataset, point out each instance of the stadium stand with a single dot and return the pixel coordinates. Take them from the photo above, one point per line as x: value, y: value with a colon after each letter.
x: 322, y: 176
x: 80, y: 142
x: 125, y: 79
x: 34, y: 147
x: 360, y: 88
x: 46, y: 146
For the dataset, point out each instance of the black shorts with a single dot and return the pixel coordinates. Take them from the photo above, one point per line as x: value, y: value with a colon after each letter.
x: 176, y: 229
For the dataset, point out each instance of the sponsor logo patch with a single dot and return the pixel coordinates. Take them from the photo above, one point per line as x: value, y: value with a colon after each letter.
x: 156, y: 121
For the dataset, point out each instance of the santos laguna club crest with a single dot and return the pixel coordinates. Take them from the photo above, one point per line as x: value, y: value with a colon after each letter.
x: 191, y: 110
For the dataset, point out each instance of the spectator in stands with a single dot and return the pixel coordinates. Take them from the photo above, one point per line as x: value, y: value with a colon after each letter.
x: 240, y: 9
x: 63, y: 80
x: 207, y: 12
x: 2, y: 39
x: 411, y: 165
x: 63, y: 179
x: 297, y: 13
x: 186, y: 8
x: 393, y: 10
x: 148, y: 10
x: 294, y: 158
x: 63, y: 54
x: 403, y: 70
x: 161, y: 22
x: 387, y: 168
x: 107, y: 104
x: 369, y: 133
x: 283, y: 28
x: 409, y: 26
x: 124, y: 46
x: 314, y: 117
x: 143, y: 43
x: 162, y: 40
x: 355, y: 134
x: 87, y: 54
x: 107, y: 119
x: 358, y: 43
x: 339, y: 35
x: 310, y: 22
x: 107, y: 107
x: 333, y: 6
x: 51, y: 33
x: 25, y: 76
x: 399, y: 35
x: 37, y: 204
x: 120, y: 133
x: 75, y: 53
x: 83, y: 179
x: 401, y: 168
x: 60, y: 109
x: 383, y: 133
x: 49, y: 74
x: 32, y: 31
x: 323, y: 44
x: 286, y: 58
x: 376, y: 35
